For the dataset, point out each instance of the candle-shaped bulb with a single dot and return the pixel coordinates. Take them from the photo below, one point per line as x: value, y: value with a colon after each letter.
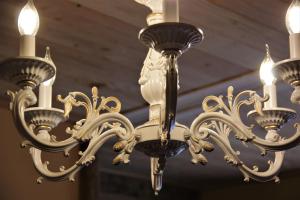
x: 266, y: 68
x: 293, y: 17
x: 28, y: 21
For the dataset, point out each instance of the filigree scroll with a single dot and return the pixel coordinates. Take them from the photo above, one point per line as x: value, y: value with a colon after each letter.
x: 93, y: 109
x: 106, y: 131
x: 216, y: 109
x: 196, y: 147
x: 102, y: 122
x: 232, y: 156
x: 221, y: 119
x: 19, y: 102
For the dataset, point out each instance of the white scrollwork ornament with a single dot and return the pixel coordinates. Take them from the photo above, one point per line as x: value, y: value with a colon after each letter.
x: 102, y: 122
x: 220, y: 119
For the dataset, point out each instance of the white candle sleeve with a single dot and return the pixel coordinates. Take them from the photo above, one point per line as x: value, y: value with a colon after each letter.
x: 295, y: 45
x: 171, y: 10
x: 27, y: 45
x: 270, y: 90
x: 45, y: 95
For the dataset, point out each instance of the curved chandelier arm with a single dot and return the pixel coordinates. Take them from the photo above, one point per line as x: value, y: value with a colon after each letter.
x: 124, y: 147
x: 19, y: 102
x: 198, y: 134
x: 232, y: 158
x: 82, y: 131
x: 42, y: 168
x: 217, y: 110
x: 245, y: 134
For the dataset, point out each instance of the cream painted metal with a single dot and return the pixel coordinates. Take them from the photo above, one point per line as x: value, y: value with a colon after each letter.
x: 153, y: 86
x: 27, y: 45
x: 171, y: 10
x: 103, y: 121
x: 45, y: 89
x: 295, y: 45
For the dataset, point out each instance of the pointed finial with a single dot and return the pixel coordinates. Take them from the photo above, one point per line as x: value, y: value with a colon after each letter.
x: 268, y: 56
x: 95, y: 96
x: 95, y: 92
x: 268, y: 51
x: 48, y: 54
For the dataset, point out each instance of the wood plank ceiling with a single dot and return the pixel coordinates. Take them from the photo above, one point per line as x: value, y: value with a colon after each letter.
x: 98, y: 39
x: 94, y: 42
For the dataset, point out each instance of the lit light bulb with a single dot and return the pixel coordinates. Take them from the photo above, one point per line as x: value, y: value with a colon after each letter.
x: 28, y: 21
x: 266, y: 72
x: 293, y: 17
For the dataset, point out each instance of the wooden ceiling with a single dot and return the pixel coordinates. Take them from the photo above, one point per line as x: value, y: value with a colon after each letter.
x: 94, y: 42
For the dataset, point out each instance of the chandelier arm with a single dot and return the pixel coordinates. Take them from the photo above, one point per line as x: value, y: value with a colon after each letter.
x: 42, y: 168
x: 19, y: 102
x: 92, y: 125
x: 245, y: 134
x: 25, y: 98
x: 234, y: 104
x: 231, y: 156
x: 87, y: 157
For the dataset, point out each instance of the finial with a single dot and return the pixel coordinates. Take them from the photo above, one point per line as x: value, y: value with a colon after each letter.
x: 48, y: 54
x: 268, y: 51
x: 95, y: 96
x: 95, y: 92
x: 268, y: 56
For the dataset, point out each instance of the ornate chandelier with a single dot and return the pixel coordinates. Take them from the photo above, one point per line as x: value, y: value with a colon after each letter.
x: 161, y: 137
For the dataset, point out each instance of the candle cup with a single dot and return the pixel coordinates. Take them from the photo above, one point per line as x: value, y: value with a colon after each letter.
x: 26, y: 72
x: 273, y: 119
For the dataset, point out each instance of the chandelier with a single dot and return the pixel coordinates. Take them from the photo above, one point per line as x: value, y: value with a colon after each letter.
x: 161, y: 137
